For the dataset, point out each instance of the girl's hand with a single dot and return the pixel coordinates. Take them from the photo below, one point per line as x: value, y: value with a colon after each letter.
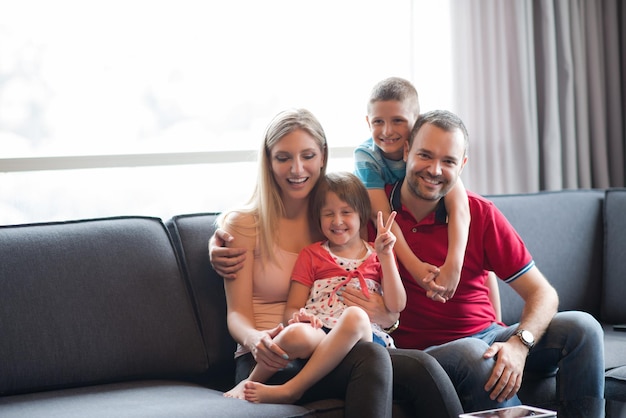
x: 303, y: 316
x: 385, y: 239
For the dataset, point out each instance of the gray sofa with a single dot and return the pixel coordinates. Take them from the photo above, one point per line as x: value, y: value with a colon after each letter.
x: 124, y: 316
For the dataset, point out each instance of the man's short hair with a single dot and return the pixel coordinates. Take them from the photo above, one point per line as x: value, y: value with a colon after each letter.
x: 442, y: 119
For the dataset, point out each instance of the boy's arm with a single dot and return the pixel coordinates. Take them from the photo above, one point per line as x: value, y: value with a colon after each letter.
x: 458, y: 231
x: 419, y: 270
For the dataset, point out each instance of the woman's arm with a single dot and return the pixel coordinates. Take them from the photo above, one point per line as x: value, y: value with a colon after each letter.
x: 240, y: 313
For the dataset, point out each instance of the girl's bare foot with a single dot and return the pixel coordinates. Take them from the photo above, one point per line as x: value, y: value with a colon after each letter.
x: 259, y: 393
x: 237, y: 391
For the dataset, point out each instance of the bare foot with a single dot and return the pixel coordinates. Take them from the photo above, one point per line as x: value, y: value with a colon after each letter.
x: 237, y: 391
x: 259, y: 393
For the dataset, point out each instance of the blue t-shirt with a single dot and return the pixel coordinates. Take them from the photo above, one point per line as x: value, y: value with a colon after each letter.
x: 374, y: 169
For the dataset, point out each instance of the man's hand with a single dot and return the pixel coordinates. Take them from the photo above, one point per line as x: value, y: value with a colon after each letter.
x: 224, y: 260
x: 506, y: 377
x: 374, y: 305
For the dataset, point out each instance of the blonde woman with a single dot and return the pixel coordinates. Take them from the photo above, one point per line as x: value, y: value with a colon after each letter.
x: 270, y: 231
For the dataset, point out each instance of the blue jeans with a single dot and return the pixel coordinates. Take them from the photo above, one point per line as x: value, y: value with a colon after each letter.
x: 573, y: 347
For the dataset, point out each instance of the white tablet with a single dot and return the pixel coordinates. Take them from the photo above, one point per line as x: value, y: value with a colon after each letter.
x: 511, y: 412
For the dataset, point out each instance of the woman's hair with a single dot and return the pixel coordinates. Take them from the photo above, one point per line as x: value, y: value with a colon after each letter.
x: 266, y: 204
x: 348, y: 188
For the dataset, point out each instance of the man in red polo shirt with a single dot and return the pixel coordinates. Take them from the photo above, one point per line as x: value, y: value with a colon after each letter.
x: 486, y: 368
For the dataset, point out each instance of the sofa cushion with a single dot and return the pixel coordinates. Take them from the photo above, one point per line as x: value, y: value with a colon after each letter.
x: 614, y: 289
x: 149, y: 399
x: 564, y: 232
x: 191, y: 233
x: 93, y: 301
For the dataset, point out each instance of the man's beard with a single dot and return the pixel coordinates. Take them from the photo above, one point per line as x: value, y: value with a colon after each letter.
x: 413, y: 181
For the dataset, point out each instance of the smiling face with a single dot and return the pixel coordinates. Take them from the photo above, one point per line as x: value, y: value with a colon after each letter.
x: 390, y: 122
x: 340, y: 223
x: 434, y: 161
x: 297, y: 162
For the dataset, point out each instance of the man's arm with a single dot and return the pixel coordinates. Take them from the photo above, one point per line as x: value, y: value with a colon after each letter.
x: 540, y: 305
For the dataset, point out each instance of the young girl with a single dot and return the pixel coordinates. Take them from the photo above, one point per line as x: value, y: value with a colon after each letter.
x: 315, y: 307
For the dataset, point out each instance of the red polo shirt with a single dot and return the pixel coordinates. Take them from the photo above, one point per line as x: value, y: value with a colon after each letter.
x: 493, y: 245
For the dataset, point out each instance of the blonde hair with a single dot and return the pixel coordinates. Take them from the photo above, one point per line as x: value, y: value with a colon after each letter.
x: 266, y: 204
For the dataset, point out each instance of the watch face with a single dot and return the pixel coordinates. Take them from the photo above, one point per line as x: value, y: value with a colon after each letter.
x: 528, y: 337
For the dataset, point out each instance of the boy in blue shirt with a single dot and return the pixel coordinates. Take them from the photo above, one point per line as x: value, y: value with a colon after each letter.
x: 392, y: 110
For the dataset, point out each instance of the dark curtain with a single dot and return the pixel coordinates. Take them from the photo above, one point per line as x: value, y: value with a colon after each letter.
x: 541, y: 88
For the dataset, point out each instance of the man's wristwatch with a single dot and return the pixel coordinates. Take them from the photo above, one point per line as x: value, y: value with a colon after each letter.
x: 526, y: 337
x: 393, y: 327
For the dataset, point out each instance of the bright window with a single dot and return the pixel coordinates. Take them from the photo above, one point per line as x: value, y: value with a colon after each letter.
x: 136, y: 77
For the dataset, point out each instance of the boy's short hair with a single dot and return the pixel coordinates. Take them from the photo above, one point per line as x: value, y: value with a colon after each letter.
x: 348, y: 188
x: 395, y: 88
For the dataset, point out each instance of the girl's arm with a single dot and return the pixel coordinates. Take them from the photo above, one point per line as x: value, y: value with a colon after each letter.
x: 298, y: 295
x: 394, y: 294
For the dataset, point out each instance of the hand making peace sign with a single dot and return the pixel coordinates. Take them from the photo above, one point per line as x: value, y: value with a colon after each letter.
x: 385, y: 239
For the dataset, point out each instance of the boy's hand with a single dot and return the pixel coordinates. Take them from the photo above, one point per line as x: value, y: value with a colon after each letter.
x: 448, y: 278
x: 385, y: 239
x: 424, y: 275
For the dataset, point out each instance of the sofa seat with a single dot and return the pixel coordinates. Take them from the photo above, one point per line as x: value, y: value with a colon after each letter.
x: 138, y: 399
x: 124, y: 316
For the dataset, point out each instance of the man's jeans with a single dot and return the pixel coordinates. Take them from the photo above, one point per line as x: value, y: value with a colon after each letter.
x: 573, y: 344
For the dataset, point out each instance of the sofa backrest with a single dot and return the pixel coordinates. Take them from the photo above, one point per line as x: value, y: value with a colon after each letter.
x: 614, y: 289
x: 93, y: 301
x: 564, y: 232
x: 191, y: 234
